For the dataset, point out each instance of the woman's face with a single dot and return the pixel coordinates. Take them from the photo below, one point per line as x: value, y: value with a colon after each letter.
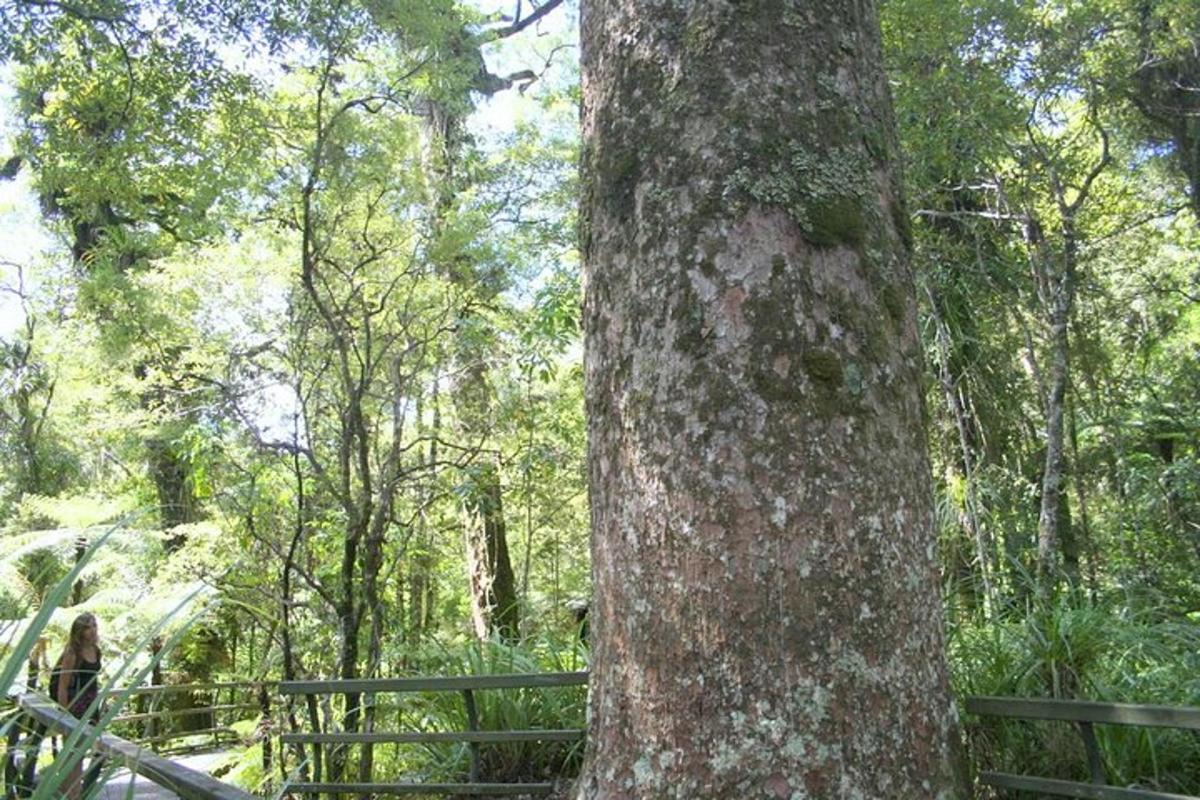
x: 91, y: 632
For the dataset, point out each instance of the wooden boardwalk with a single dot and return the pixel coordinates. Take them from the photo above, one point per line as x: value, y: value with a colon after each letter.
x: 184, y: 777
x: 125, y: 785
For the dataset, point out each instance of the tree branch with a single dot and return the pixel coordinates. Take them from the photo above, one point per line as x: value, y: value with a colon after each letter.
x: 520, y: 24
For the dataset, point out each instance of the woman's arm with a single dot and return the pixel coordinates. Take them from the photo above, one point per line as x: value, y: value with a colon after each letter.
x: 66, y: 672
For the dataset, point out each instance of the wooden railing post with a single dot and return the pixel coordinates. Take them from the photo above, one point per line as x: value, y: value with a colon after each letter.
x: 212, y: 717
x: 152, y: 728
x: 1095, y: 765
x: 11, y: 773
x: 36, y: 655
x: 473, y: 726
x: 265, y: 727
x: 33, y: 743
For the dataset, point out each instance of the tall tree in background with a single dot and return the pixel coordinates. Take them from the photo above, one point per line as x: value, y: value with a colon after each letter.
x: 114, y: 108
x: 455, y: 251
x: 366, y: 312
x: 459, y: 250
x: 1026, y: 160
x: 767, y: 620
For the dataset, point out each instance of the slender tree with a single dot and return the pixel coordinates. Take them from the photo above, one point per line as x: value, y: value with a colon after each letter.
x: 491, y: 580
x: 767, y: 617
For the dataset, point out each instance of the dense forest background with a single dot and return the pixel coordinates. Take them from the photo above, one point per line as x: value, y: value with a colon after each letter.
x: 291, y: 300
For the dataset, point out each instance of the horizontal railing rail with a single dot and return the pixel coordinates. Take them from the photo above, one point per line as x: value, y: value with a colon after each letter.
x: 489, y: 737
x: 1085, y: 714
x: 183, y: 712
x: 157, y: 725
x: 1087, y: 711
x: 171, y: 688
x: 524, y: 680
x: 187, y: 783
x: 466, y: 685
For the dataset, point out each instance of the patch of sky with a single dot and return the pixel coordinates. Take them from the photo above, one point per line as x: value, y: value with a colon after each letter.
x: 987, y: 44
x: 273, y: 409
x: 549, y: 49
x: 541, y: 108
x: 23, y: 238
x: 1146, y: 152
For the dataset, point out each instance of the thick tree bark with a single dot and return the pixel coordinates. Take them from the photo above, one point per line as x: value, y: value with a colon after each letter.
x: 767, y: 615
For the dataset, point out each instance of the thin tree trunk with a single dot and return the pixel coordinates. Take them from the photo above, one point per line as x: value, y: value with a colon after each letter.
x: 372, y: 564
x: 1055, y: 276
x: 290, y: 672
x: 421, y: 592
x: 349, y: 618
x: 1050, y: 529
x: 1085, y: 527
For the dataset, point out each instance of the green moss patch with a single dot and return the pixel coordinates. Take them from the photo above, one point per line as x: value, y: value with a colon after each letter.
x: 823, y: 366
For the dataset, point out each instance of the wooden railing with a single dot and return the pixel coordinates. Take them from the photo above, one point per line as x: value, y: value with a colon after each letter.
x: 44, y: 716
x: 473, y: 736
x: 1084, y: 714
x: 149, y: 724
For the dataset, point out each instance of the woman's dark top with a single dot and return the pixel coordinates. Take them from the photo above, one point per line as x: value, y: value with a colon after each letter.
x: 82, y: 690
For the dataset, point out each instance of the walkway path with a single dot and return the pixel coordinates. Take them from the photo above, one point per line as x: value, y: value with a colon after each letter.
x: 125, y: 786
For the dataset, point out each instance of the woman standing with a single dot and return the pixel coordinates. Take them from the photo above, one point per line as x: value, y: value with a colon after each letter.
x: 78, y: 680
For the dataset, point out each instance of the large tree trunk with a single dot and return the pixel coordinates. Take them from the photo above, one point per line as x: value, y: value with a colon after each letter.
x: 167, y: 468
x: 767, y: 614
